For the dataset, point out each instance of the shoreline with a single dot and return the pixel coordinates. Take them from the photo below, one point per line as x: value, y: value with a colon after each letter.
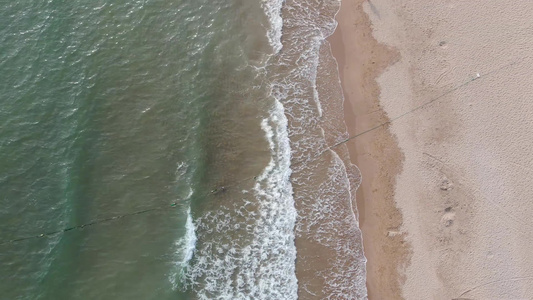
x: 360, y: 61
x: 329, y: 256
x: 460, y: 73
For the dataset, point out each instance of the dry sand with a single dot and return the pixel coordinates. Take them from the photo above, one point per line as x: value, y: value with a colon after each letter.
x: 459, y: 94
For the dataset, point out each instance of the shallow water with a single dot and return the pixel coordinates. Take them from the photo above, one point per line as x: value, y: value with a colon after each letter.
x: 191, y: 110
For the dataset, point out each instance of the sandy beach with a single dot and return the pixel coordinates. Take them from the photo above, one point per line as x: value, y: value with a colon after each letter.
x: 444, y: 204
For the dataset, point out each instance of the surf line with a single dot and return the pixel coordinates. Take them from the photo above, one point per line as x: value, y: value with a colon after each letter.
x: 95, y: 222
x: 174, y: 205
x: 222, y: 189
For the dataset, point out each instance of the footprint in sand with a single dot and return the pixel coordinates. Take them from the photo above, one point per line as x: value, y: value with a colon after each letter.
x: 446, y: 185
x: 448, y: 218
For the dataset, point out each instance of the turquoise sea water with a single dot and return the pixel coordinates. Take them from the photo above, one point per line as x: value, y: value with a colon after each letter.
x: 174, y: 121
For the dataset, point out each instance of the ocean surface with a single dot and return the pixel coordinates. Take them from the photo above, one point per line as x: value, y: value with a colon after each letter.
x: 158, y: 149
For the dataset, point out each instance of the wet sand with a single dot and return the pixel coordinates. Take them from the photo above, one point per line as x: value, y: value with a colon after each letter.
x: 361, y: 59
x: 454, y: 77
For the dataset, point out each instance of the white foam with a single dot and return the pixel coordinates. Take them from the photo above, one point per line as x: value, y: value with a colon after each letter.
x: 273, y: 12
x: 247, y: 246
x: 186, y: 244
x: 189, y: 240
x: 185, y: 247
x: 327, y: 216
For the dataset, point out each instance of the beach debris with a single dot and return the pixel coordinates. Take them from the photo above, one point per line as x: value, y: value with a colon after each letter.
x: 218, y: 190
x: 477, y: 75
x: 393, y: 233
